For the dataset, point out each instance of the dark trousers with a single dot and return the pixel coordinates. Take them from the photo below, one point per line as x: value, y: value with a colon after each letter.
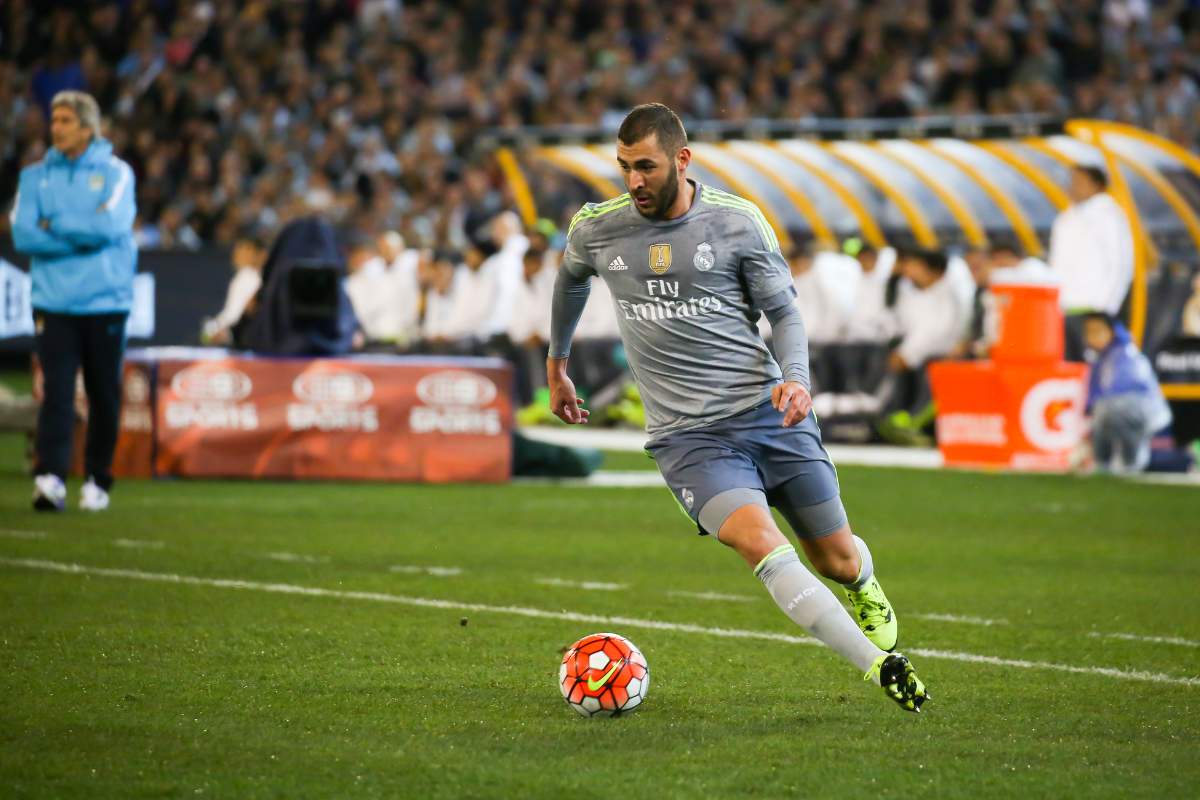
x: 64, y: 343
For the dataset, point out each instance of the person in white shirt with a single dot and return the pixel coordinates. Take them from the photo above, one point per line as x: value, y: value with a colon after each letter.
x: 248, y: 256
x: 930, y: 314
x: 870, y: 320
x: 368, y: 289
x: 931, y: 317
x: 859, y: 357
x: 446, y: 283
x: 498, y: 279
x: 530, y: 324
x: 403, y: 287
x: 1091, y: 253
x: 822, y: 312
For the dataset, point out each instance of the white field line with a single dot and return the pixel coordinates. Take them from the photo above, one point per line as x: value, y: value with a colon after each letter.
x: 297, y: 558
x: 733, y: 598
x: 593, y: 586
x: 1133, y: 637
x: 413, y: 569
x: 959, y: 619
x: 139, y: 544
x: 569, y: 616
x: 10, y: 533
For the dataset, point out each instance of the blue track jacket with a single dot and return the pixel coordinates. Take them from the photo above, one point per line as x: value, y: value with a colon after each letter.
x: 83, y: 262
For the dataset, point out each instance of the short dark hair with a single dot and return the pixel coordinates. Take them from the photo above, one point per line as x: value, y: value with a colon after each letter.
x: 934, y: 259
x: 1004, y: 243
x: 1095, y: 174
x: 1101, y: 316
x: 656, y: 119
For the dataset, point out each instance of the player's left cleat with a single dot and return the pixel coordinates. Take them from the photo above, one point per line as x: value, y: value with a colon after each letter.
x: 899, y: 681
x: 874, y: 615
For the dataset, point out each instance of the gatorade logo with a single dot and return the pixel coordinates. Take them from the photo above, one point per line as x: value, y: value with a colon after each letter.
x: 1051, y: 416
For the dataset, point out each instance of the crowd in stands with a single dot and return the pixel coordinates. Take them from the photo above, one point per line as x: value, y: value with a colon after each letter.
x: 240, y: 115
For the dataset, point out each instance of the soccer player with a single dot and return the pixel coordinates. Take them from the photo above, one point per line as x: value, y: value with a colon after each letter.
x: 690, y: 269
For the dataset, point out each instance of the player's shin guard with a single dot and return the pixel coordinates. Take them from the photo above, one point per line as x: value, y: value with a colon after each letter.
x: 811, y: 605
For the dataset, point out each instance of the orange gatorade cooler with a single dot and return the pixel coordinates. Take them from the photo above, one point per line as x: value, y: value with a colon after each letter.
x: 1029, y: 323
x: 1013, y: 416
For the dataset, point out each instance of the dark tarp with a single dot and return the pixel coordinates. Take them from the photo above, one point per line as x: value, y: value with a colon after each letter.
x: 302, y: 307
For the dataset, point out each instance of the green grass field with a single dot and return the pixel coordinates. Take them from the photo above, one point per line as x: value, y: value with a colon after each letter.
x: 135, y: 683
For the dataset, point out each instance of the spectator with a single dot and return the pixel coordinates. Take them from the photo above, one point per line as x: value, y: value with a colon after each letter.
x: 497, y: 280
x: 861, y: 356
x: 269, y: 84
x: 446, y: 282
x: 403, y: 287
x: 930, y: 319
x: 74, y: 218
x: 1190, y: 323
x: 1091, y: 253
x: 1125, y: 402
x: 368, y: 288
x: 248, y: 256
x: 929, y: 313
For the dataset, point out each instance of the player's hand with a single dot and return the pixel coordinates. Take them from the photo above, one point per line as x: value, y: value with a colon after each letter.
x: 564, y: 403
x: 793, y: 400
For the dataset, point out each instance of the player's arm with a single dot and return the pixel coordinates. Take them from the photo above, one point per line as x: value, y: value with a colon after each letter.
x: 112, y: 219
x: 771, y: 290
x: 29, y: 226
x: 571, y: 290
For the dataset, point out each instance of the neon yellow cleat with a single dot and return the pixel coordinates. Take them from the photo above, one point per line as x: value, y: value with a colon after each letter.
x: 873, y: 613
x: 899, y: 681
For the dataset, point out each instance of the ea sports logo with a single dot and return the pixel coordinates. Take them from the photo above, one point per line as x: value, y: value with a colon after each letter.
x: 336, y: 388
x: 456, y: 388
x: 1050, y: 414
x: 211, y: 383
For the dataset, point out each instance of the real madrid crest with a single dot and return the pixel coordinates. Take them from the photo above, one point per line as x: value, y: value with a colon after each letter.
x: 704, y: 258
x: 96, y: 182
x: 660, y: 258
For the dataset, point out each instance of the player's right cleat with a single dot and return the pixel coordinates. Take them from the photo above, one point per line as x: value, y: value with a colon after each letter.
x: 899, y: 681
x: 874, y: 615
x: 93, y: 498
x: 49, y: 493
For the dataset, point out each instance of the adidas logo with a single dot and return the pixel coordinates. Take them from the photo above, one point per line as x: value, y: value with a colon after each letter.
x: 617, y: 264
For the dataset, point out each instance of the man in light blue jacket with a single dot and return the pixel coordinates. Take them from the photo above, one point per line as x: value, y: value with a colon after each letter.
x: 73, y: 216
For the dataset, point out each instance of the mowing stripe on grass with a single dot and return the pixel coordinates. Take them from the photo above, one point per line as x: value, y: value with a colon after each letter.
x: 569, y: 616
x: 957, y: 618
x: 413, y: 569
x: 1133, y: 637
x: 139, y: 544
x: 297, y: 558
x: 9, y: 533
x: 595, y: 586
x: 732, y: 598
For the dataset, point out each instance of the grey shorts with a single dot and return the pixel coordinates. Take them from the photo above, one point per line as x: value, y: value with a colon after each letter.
x: 751, y: 459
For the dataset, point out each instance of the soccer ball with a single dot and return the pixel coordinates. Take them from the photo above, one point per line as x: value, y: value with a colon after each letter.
x: 604, y: 675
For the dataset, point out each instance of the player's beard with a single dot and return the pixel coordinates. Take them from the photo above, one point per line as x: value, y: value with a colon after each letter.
x: 666, y: 196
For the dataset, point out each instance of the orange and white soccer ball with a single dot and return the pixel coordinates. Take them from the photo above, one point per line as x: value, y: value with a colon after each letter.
x: 604, y: 675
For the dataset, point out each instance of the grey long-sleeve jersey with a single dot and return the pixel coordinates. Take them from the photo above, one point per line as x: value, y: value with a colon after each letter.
x: 687, y: 294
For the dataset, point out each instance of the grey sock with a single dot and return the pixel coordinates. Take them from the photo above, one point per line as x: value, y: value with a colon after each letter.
x: 866, y: 570
x: 811, y: 605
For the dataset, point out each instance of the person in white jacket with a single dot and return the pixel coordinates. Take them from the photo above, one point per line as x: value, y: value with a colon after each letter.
x: 1091, y: 253
x: 446, y: 284
x: 930, y: 312
x: 248, y: 256
x: 931, y: 317
x: 497, y: 282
